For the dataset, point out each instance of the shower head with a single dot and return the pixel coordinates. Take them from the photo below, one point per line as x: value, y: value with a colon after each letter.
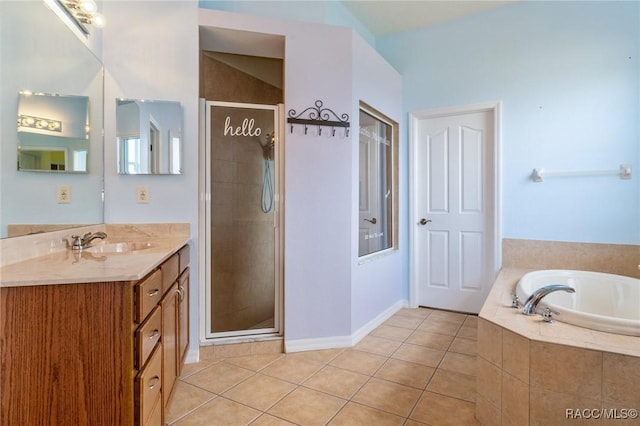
x: 267, y: 147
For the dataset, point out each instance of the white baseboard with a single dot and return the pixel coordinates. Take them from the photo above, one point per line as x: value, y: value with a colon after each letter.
x: 317, y: 344
x: 320, y: 343
x: 193, y: 355
x: 382, y: 317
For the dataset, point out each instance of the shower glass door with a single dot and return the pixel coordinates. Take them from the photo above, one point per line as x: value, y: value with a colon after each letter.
x: 243, y: 271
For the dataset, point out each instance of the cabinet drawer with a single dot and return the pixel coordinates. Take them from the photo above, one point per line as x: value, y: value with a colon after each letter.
x: 148, y: 294
x: 170, y: 271
x: 184, y: 258
x: 147, y: 335
x: 148, y: 386
x: 155, y: 418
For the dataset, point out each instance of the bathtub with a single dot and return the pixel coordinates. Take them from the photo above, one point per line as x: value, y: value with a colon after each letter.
x: 603, y: 302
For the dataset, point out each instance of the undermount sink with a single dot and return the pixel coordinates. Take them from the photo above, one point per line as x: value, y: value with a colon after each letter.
x: 122, y: 247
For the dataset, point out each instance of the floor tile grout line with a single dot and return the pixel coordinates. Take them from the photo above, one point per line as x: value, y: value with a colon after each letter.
x: 201, y: 388
x: 259, y: 409
x: 327, y: 363
x: 264, y: 413
x: 176, y: 420
x: 245, y: 405
x: 198, y: 371
x: 389, y: 357
x: 370, y: 377
x: 337, y: 412
x: 417, y: 402
x: 260, y: 372
x: 225, y: 360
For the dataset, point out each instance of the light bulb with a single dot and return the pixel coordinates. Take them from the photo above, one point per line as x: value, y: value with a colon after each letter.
x: 98, y: 20
x: 88, y: 6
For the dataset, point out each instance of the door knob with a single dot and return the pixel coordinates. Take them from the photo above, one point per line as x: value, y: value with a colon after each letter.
x: 372, y: 220
x: 424, y: 221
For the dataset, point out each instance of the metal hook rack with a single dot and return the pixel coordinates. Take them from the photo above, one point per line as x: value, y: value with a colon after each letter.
x: 319, y: 116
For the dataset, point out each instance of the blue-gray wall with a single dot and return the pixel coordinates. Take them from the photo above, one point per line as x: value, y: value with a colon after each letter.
x: 569, y: 76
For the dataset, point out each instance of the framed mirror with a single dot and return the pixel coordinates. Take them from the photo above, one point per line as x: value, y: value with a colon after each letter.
x: 148, y: 137
x: 53, y: 133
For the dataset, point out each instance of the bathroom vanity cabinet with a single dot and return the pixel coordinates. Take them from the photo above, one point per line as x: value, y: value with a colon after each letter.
x: 100, y: 353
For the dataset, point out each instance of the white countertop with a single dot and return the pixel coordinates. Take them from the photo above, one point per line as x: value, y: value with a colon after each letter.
x: 70, y: 266
x: 43, y: 260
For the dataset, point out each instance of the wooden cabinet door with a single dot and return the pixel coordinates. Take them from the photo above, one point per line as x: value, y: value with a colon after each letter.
x: 66, y: 354
x: 169, y: 340
x: 149, y: 387
x: 183, y: 318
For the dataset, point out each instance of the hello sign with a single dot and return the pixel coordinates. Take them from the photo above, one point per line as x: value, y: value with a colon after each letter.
x: 247, y: 128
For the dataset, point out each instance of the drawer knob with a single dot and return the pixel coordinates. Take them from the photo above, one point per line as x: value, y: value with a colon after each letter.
x: 153, y: 292
x: 154, y: 381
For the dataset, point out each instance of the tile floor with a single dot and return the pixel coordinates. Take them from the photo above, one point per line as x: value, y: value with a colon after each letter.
x: 418, y: 368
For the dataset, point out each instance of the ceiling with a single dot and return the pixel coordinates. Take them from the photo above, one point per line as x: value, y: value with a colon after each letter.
x: 383, y: 17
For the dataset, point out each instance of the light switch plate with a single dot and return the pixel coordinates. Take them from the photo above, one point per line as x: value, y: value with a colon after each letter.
x: 64, y: 194
x: 142, y: 194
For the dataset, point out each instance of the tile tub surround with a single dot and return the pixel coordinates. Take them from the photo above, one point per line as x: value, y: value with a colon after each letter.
x: 45, y: 259
x: 530, y: 372
x: 609, y: 258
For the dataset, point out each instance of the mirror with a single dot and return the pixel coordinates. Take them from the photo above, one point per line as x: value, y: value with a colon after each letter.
x: 40, y: 54
x: 53, y: 133
x: 148, y: 137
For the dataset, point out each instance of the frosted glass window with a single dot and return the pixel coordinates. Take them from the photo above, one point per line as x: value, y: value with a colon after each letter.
x: 378, y: 187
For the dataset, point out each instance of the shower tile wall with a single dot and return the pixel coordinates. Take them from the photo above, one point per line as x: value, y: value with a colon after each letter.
x: 222, y: 82
x: 242, y: 264
x: 242, y: 239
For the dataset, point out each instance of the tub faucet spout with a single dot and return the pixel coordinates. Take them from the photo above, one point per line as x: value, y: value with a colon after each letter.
x: 532, y: 302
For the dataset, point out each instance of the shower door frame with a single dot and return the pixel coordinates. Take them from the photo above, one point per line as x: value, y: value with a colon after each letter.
x: 207, y: 335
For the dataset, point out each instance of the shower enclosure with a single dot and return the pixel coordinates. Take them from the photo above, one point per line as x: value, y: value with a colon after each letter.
x: 243, y: 275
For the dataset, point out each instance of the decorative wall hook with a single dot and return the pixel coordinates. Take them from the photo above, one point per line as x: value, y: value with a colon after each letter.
x: 319, y: 116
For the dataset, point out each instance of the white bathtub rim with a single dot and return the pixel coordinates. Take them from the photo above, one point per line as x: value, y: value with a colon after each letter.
x: 588, y: 320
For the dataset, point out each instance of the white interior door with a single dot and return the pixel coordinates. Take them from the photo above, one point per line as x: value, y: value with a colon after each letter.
x: 454, y: 214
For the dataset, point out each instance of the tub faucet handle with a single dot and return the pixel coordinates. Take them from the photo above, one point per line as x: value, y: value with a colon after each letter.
x: 515, y: 301
x: 547, y: 315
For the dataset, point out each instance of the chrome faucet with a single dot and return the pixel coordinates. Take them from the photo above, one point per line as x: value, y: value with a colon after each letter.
x: 531, y: 304
x: 84, y: 242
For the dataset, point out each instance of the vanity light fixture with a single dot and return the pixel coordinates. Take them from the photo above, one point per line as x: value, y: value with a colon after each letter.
x: 84, y: 12
x: 39, y: 123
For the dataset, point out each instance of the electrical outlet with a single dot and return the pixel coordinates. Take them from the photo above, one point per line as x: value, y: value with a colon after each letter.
x: 142, y: 194
x: 64, y: 194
